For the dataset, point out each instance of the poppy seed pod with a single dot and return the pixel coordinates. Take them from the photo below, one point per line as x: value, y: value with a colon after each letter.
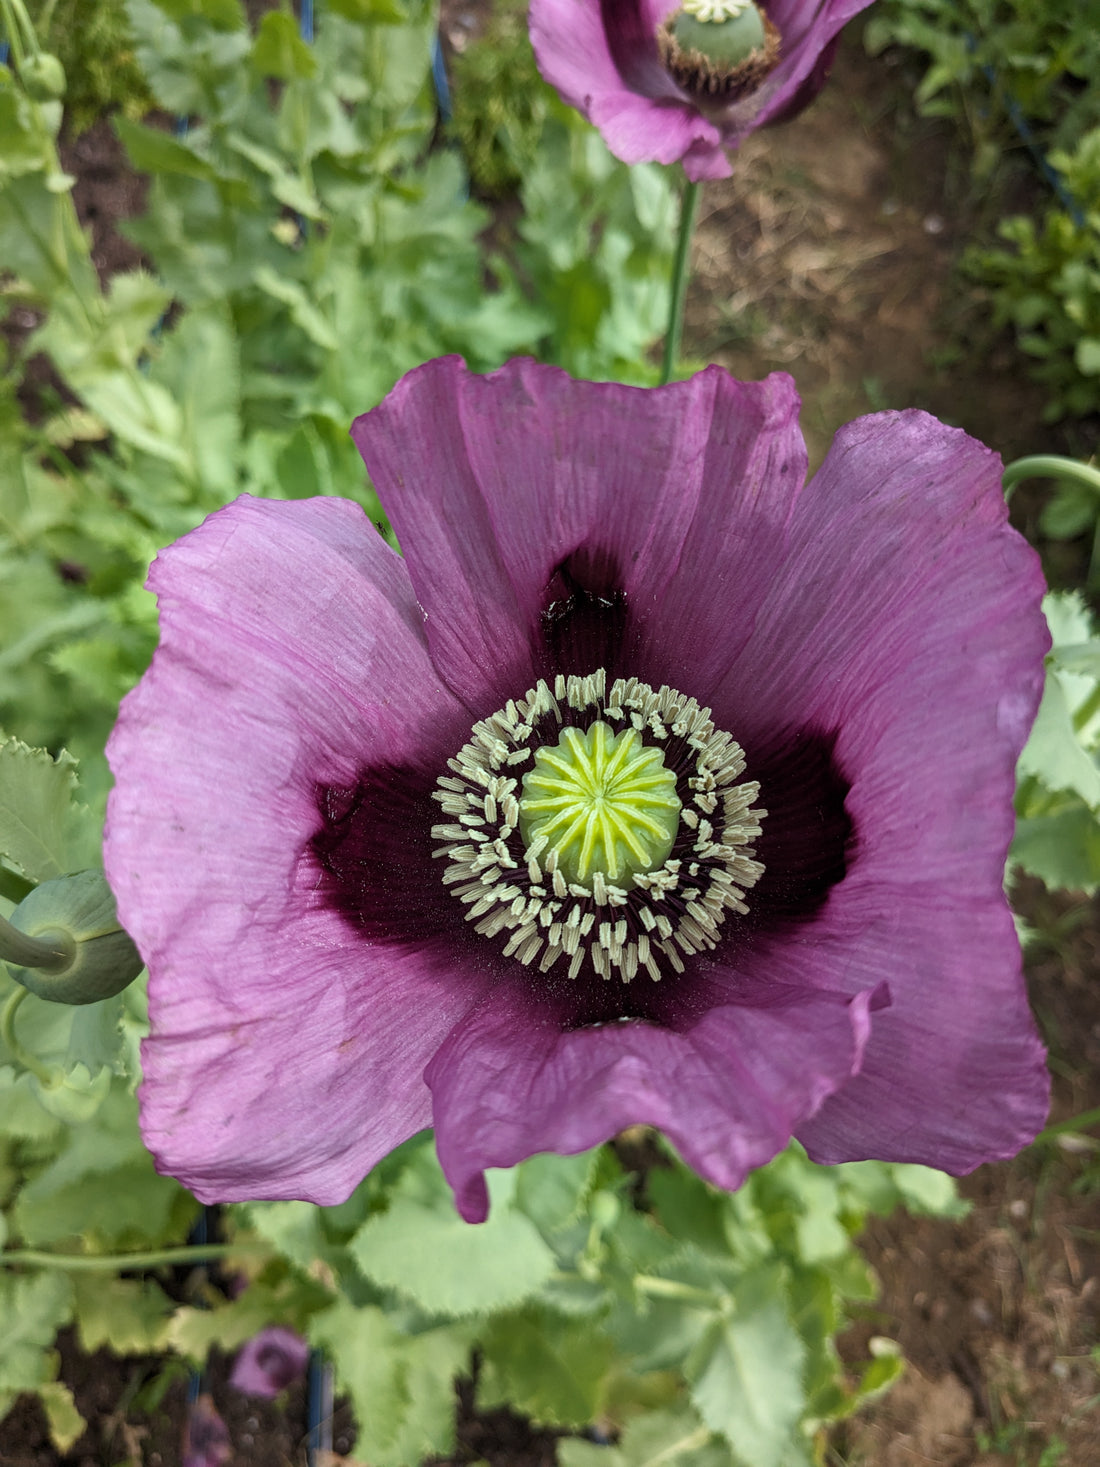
x: 86, y: 956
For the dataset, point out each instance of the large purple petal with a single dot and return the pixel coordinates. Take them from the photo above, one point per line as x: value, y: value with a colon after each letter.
x: 728, y: 1091
x: 495, y: 483
x: 639, y: 131
x: 572, y: 50
x: 285, y: 1057
x: 809, y: 29
x: 916, y: 635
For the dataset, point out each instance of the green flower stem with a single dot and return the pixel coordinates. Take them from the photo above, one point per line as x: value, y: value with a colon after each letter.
x: 659, y: 1288
x: 17, y: 26
x: 163, y: 1257
x: 30, y: 952
x: 1050, y: 466
x: 680, y: 271
x: 1075, y: 1123
x: 1087, y: 711
x: 15, y: 1049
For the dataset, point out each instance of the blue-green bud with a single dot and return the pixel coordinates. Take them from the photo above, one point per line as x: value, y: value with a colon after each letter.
x: 43, y: 76
x: 77, y: 952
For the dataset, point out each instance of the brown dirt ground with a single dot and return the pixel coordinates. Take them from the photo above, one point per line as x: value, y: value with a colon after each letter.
x: 829, y: 255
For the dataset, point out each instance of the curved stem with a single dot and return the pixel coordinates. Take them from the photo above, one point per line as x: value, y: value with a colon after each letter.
x: 7, y: 1034
x: 86, y: 1262
x: 680, y: 271
x: 1050, y: 466
x: 673, y: 1289
x: 31, y: 952
x: 1075, y: 1123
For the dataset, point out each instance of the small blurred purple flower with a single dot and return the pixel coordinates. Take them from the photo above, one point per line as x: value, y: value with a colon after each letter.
x: 332, y: 845
x: 205, y: 1436
x: 269, y: 1362
x: 622, y: 64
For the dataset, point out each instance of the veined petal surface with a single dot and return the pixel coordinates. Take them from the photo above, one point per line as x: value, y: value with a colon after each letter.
x: 291, y: 651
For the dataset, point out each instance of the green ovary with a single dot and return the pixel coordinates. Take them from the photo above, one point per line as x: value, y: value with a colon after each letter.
x: 603, y: 801
x: 727, y: 33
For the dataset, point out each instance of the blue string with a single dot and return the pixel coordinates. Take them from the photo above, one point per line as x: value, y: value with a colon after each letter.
x: 200, y: 1235
x: 1030, y: 141
x: 318, y: 1407
x: 305, y: 22
x: 440, y: 82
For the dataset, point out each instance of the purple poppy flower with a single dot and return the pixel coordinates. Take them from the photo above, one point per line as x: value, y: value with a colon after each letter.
x: 452, y: 839
x: 633, y: 70
x: 205, y: 1436
x: 269, y: 1362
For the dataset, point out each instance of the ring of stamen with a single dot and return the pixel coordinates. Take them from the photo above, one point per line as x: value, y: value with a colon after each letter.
x: 604, y: 887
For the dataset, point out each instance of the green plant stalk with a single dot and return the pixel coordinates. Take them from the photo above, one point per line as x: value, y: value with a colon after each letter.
x: 1075, y: 1123
x: 689, y: 204
x: 7, y: 1034
x: 30, y: 952
x: 161, y: 1258
x: 659, y: 1288
x: 17, y: 24
x: 1050, y: 466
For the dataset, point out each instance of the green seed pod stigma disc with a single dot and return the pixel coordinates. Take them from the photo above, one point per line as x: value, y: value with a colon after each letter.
x: 84, y: 953
x: 603, y: 801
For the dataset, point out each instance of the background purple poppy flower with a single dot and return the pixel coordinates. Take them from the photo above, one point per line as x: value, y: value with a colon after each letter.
x: 205, y: 1436
x: 269, y: 1362
x: 602, y: 56
x: 874, y: 641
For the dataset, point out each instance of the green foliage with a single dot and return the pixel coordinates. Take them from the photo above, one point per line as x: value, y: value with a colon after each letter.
x: 1058, y: 796
x: 1047, y: 287
x: 597, y: 253
x: 987, y: 57
x: 1006, y: 70
x: 93, y: 41
x: 501, y: 104
x: 423, y: 1250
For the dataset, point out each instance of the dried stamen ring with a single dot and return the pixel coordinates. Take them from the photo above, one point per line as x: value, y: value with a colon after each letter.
x: 606, y: 846
x: 719, y: 51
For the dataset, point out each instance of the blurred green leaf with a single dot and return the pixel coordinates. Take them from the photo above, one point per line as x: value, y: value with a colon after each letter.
x: 401, y: 1386
x: 279, y: 50
x: 654, y: 1439
x: 129, y: 1316
x: 553, y: 1370
x: 746, y: 1374
x: 422, y: 1248
x: 37, y: 818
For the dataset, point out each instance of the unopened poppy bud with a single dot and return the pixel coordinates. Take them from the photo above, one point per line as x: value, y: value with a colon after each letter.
x: 78, y: 953
x: 43, y: 76
x: 718, y: 49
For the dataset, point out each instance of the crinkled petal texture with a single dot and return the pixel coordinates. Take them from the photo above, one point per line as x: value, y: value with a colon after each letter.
x: 872, y: 638
x: 602, y: 57
x: 284, y: 1059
